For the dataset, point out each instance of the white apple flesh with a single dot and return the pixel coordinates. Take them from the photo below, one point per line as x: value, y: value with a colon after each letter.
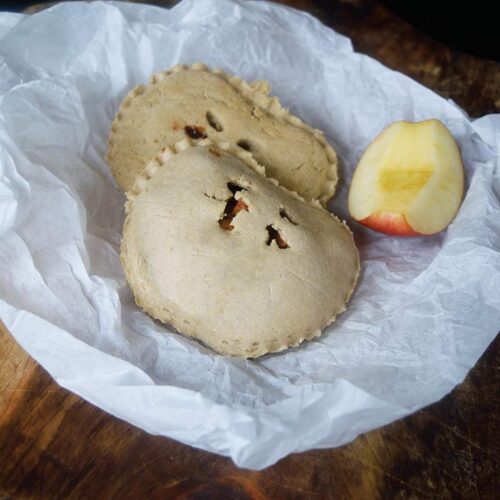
x: 409, y: 181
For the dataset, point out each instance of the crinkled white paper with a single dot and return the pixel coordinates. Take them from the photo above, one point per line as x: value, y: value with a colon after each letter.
x: 424, y: 311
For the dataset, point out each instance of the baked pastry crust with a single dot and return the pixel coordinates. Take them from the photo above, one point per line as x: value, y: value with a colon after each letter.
x: 199, y: 102
x: 223, y: 254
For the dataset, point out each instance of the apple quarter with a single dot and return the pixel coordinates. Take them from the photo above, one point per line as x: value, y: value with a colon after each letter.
x: 409, y: 181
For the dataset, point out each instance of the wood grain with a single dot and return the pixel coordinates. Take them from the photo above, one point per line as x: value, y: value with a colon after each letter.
x: 55, y: 445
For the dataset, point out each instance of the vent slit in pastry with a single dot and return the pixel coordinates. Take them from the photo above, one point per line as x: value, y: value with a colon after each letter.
x: 244, y: 144
x: 233, y: 207
x: 284, y: 215
x: 274, y: 235
x: 213, y: 122
x: 195, y: 132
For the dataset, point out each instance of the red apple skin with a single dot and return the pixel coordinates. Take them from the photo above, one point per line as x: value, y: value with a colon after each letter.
x: 389, y: 223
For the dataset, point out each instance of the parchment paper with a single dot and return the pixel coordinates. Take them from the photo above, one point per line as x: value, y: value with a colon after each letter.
x: 424, y: 311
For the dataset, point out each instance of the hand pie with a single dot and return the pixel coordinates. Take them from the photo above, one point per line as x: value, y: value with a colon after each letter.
x: 213, y: 248
x: 198, y: 103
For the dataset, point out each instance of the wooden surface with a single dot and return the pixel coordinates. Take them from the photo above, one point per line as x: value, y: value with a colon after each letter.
x: 55, y: 445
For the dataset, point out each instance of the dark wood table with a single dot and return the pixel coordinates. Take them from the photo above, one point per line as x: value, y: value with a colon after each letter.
x: 55, y: 445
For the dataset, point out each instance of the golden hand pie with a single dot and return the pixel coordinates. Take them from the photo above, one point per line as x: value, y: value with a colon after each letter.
x: 229, y: 257
x: 196, y: 102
